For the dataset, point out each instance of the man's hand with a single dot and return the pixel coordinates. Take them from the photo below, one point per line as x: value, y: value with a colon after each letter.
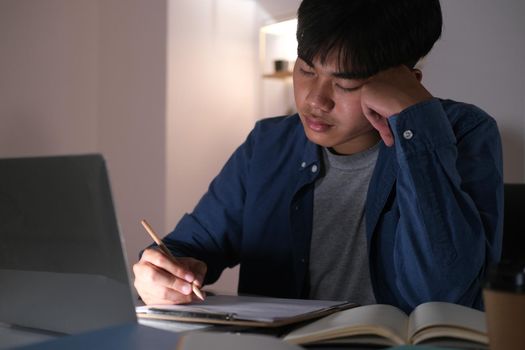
x: 161, y: 280
x: 390, y: 92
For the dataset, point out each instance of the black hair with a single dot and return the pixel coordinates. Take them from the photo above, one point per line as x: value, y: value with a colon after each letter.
x: 368, y: 35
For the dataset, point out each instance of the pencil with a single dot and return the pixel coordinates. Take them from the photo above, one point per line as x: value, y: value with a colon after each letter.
x: 167, y: 252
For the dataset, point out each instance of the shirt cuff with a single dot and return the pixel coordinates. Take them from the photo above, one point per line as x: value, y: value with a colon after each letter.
x: 421, y: 128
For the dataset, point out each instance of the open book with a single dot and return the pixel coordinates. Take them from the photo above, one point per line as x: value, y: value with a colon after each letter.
x: 433, y: 323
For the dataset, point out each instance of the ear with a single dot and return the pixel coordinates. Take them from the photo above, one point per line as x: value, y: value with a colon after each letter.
x: 418, y: 74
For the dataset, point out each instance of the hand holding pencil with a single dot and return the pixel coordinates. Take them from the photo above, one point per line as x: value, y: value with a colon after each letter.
x: 160, y: 278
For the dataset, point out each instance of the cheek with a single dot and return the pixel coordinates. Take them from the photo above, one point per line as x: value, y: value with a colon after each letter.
x: 351, y: 116
x: 350, y: 106
x: 299, y: 91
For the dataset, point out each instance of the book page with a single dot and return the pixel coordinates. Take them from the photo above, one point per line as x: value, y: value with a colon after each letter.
x: 383, y: 321
x: 447, y: 320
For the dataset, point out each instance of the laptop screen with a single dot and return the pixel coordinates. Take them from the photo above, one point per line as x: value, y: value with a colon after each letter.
x: 62, y: 266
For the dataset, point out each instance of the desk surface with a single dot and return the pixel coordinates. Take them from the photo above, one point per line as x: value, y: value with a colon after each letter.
x: 12, y: 336
x: 129, y: 336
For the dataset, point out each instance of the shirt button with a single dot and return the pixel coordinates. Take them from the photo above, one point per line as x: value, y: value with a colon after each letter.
x: 408, y: 134
x: 314, y: 168
x: 303, y: 165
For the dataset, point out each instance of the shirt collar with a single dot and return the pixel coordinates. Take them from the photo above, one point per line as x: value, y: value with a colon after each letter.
x: 311, y: 155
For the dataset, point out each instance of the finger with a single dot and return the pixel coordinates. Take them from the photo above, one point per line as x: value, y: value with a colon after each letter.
x: 154, y: 278
x: 148, y: 283
x: 386, y: 134
x: 164, y: 262
x: 380, y: 124
x: 198, y: 281
x: 199, y: 268
x: 145, y: 289
x: 169, y: 298
x: 163, y: 295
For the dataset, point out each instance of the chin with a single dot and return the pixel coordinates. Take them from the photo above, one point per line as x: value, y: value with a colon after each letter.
x: 319, y: 140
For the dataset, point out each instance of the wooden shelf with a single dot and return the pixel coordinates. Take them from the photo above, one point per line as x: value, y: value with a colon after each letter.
x: 278, y: 75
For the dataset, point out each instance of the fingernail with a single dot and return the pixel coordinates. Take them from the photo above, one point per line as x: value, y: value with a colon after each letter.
x: 189, y: 277
x: 186, y: 289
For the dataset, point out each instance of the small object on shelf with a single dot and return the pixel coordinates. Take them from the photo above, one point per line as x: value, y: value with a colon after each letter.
x: 280, y: 70
x: 280, y: 66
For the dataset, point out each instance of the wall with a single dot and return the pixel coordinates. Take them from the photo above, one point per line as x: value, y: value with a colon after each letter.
x: 278, y: 9
x: 480, y: 60
x: 212, y: 92
x: 132, y: 38
x: 82, y: 76
x: 49, y: 77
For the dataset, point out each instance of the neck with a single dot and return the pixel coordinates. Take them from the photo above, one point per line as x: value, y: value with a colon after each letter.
x: 358, y: 144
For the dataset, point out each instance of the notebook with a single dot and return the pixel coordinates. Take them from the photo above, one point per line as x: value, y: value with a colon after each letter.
x: 62, y: 266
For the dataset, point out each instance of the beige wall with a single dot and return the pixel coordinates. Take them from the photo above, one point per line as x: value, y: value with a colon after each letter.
x: 479, y: 59
x: 132, y: 111
x: 48, y: 77
x: 212, y: 85
x: 83, y: 76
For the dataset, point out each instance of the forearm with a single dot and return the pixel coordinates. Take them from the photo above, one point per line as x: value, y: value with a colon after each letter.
x: 449, y: 197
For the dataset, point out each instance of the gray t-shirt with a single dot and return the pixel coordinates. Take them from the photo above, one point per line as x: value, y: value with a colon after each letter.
x: 339, y: 268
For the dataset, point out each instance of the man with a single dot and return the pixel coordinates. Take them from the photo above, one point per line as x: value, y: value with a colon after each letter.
x: 375, y: 191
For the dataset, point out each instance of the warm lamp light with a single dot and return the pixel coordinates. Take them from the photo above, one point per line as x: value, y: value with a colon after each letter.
x: 282, y: 36
x: 285, y: 28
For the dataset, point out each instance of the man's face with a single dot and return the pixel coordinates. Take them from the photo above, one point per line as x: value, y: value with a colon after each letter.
x: 329, y: 104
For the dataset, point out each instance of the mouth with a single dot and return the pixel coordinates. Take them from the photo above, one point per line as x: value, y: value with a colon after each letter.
x: 316, y: 124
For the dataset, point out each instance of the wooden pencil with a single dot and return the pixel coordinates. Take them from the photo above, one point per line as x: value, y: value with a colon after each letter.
x: 167, y: 252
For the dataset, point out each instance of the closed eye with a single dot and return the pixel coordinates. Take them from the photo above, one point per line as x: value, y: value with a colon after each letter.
x: 348, y: 89
x: 305, y: 72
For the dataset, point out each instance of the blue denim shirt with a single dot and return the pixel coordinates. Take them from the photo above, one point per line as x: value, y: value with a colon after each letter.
x: 434, y: 208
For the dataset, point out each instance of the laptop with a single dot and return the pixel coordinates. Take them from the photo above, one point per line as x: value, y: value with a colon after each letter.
x: 62, y: 265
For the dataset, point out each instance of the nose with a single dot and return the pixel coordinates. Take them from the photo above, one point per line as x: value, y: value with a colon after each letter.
x: 320, y: 97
